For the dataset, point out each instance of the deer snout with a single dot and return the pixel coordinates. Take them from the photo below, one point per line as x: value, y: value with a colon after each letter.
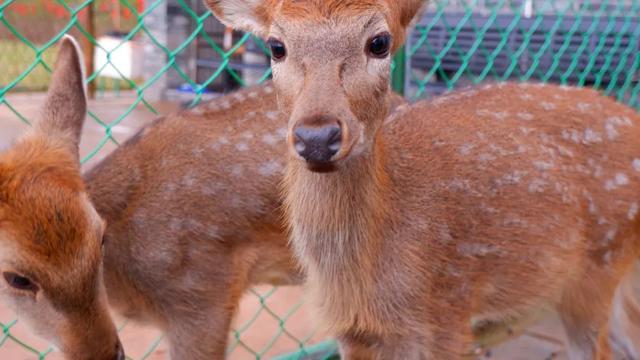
x: 317, y: 145
x: 119, y: 352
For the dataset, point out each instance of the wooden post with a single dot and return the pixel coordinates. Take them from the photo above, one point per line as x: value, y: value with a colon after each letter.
x: 89, y: 49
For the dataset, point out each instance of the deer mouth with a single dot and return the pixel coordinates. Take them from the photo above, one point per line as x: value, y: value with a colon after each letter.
x: 322, y: 167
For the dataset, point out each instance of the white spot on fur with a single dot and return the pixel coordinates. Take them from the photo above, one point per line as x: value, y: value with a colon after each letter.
x: 636, y: 164
x: 591, y: 137
x: 620, y: 121
x: 564, y: 151
x: 513, y: 220
x: 272, y: 115
x: 189, y: 180
x: 525, y: 116
x: 282, y: 133
x: 633, y: 211
x: 269, y: 139
x: 242, y: 146
x: 501, y: 115
x: 483, y: 112
x: 610, y: 236
x: 225, y: 104
x: 237, y: 169
x: 253, y: 94
x: 526, y: 130
x: 514, y: 177
x: 466, y: 149
x: 548, y: 106
x: 526, y: 97
x: 444, y: 234
x: 486, y: 157
x: 239, y: 96
x: 619, y: 180
x: 247, y: 135
x: 213, y: 231
x: 537, y: 186
x: 583, y: 107
x: 222, y: 140
x: 612, y: 133
x: 198, y: 110
x: 476, y: 249
x: 270, y: 168
x: 268, y: 89
x: 488, y: 209
x: 213, y: 106
x: 543, y: 165
x: 438, y: 143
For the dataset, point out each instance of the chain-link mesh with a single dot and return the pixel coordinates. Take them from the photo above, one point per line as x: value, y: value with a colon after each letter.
x: 189, y: 56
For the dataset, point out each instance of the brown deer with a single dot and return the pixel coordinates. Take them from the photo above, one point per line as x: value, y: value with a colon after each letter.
x: 50, y: 235
x: 188, y: 227
x: 191, y: 205
x: 488, y: 205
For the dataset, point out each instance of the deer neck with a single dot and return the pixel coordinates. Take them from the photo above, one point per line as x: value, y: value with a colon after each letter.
x: 337, y: 219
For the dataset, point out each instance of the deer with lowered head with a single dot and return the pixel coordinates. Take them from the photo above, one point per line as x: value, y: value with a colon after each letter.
x: 489, y: 205
x: 50, y: 234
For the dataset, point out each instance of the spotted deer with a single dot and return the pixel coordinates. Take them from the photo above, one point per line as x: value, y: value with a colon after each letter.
x: 172, y: 225
x: 488, y: 205
x: 192, y: 214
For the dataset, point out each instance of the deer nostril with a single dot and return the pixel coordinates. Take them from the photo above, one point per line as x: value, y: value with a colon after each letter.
x: 335, y: 140
x: 299, y: 144
x: 120, y: 352
x: 318, y: 145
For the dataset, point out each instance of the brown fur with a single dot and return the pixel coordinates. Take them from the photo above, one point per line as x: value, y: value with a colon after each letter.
x: 192, y: 208
x: 49, y: 233
x: 490, y: 204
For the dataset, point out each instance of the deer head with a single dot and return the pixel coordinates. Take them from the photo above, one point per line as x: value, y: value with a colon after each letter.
x: 50, y: 234
x: 331, y: 63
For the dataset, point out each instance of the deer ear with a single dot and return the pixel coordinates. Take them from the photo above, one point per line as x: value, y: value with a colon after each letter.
x: 65, y: 107
x: 405, y: 13
x: 246, y: 15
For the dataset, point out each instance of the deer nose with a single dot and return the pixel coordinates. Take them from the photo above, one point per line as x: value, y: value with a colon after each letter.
x: 119, y: 352
x: 318, y: 144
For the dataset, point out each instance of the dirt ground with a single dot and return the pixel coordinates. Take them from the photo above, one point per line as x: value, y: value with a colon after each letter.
x: 543, y: 341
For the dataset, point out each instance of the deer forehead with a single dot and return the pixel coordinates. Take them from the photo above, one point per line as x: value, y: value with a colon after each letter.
x: 54, y: 236
x: 334, y: 37
x: 319, y: 10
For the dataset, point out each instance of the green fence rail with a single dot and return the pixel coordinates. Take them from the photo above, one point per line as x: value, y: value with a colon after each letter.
x: 456, y: 43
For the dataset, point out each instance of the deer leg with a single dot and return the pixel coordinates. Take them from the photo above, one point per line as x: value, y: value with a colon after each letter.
x: 584, y: 310
x: 451, y: 337
x: 624, y: 325
x: 390, y: 348
x: 201, y: 336
x: 352, y: 349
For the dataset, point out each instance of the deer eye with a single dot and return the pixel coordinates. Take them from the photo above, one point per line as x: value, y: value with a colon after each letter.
x: 278, y: 50
x: 19, y: 282
x: 379, y: 45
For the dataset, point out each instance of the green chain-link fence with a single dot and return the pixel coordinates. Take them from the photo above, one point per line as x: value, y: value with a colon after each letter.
x: 188, y: 56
